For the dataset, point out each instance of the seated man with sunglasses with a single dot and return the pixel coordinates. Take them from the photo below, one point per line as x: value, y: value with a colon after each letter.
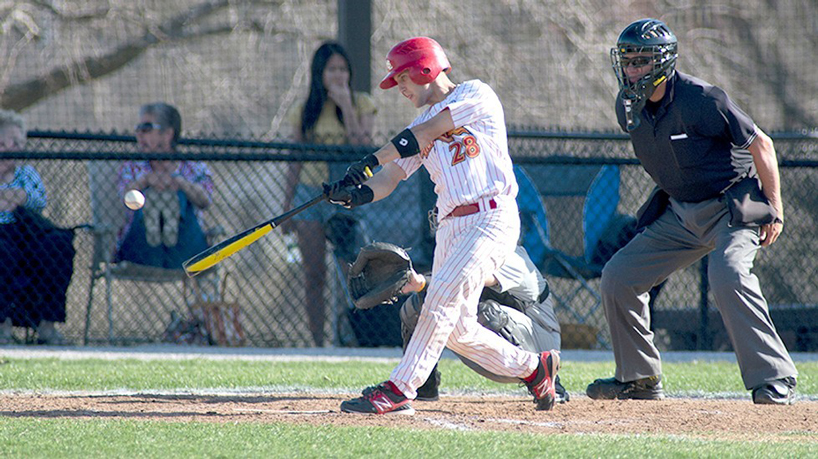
x: 167, y: 230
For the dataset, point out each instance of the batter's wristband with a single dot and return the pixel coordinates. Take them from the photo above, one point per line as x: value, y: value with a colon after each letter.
x: 370, y: 161
x: 406, y: 143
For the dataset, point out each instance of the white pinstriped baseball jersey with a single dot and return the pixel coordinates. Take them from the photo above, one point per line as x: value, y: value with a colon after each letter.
x: 469, y: 164
x: 472, y: 161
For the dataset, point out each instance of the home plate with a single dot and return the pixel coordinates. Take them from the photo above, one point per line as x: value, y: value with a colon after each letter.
x: 249, y: 410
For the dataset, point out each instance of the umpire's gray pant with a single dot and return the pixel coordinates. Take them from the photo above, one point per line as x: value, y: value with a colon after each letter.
x: 683, y: 234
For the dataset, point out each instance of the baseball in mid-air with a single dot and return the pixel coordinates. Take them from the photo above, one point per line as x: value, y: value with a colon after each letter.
x: 134, y: 200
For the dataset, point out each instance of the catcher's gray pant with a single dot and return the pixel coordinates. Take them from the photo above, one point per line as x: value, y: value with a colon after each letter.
x: 683, y: 234
x: 468, y: 249
x: 536, y: 331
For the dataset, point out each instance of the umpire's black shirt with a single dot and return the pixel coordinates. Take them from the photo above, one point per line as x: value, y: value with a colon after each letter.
x: 693, y: 143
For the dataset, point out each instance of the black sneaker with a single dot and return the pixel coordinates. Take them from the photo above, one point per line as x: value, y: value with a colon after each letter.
x: 778, y: 392
x: 379, y: 399
x: 562, y: 394
x: 428, y: 392
x: 641, y: 389
x: 543, y: 387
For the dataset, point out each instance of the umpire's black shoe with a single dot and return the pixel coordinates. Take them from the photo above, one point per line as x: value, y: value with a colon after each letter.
x: 641, y: 389
x: 428, y: 392
x: 778, y: 392
x: 562, y: 394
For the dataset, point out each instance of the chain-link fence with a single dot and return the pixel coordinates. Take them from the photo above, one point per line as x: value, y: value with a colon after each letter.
x: 577, y: 197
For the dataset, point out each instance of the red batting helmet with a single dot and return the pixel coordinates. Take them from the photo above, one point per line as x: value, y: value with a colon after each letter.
x: 422, y: 56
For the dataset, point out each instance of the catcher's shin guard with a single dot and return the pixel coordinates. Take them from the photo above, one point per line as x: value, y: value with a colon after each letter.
x: 430, y: 390
x: 409, y: 313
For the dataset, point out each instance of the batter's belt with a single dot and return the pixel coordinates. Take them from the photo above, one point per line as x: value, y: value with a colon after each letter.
x: 468, y: 209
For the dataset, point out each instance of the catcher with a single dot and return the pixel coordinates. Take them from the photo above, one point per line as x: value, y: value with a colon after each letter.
x: 514, y: 304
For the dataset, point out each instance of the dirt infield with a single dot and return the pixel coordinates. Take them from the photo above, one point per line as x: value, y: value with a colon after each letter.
x: 697, y: 418
x: 731, y: 419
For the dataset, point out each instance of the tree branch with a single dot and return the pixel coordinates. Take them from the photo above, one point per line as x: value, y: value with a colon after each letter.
x: 79, y: 15
x: 27, y: 93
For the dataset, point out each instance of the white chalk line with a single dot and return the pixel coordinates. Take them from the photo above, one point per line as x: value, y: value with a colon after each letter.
x: 248, y: 410
x: 554, y: 425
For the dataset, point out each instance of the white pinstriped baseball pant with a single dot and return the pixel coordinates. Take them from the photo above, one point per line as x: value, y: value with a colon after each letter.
x: 468, y: 249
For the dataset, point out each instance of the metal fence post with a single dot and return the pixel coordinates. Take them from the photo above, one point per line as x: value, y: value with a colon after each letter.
x: 704, y: 317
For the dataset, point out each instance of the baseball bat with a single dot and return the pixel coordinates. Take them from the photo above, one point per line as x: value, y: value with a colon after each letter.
x: 215, y: 254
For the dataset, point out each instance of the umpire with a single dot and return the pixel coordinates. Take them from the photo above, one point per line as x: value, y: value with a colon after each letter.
x: 707, y: 158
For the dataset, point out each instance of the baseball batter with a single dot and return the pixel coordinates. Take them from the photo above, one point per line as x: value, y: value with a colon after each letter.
x: 461, y: 140
x: 707, y: 158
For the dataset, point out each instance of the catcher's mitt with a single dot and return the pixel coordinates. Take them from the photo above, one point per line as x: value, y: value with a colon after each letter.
x: 378, y: 274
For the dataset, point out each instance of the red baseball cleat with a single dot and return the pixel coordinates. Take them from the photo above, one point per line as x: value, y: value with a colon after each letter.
x: 380, y: 399
x: 543, y: 386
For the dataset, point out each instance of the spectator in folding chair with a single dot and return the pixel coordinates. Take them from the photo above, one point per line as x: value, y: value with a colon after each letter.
x: 333, y: 114
x: 36, y: 257
x: 168, y: 229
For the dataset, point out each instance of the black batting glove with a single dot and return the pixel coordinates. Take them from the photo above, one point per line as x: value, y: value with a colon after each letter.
x: 337, y: 193
x: 356, y: 172
x: 348, y: 196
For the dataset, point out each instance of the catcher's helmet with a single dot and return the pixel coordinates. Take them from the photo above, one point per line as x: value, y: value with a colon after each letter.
x: 645, y: 36
x: 422, y: 56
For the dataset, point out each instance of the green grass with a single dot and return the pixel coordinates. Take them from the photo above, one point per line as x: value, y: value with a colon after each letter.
x: 67, y: 438
x: 64, y: 438
x: 97, y: 375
